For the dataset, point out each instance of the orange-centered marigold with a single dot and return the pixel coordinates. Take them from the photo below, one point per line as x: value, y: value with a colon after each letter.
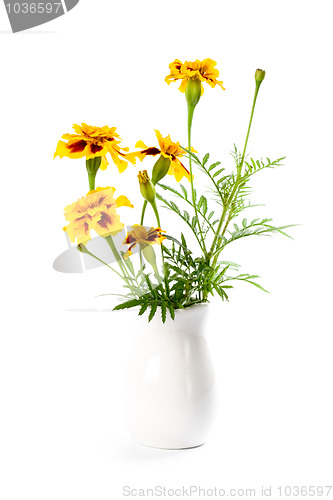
x: 204, y: 71
x: 168, y: 149
x: 89, y: 142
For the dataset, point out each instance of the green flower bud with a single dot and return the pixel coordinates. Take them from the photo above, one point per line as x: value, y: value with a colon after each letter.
x: 160, y: 169
x: 193, y: 91
x: 146, y: 186
x: 259, y: 75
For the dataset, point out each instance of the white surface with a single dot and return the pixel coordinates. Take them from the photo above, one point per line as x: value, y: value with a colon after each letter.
x: 61, y: 430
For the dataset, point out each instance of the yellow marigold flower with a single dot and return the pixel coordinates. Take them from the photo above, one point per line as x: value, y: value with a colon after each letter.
x: 139, y: 234
x: 89, y: 142
x: 204, y: 71
x: 168, y: 149
x: 97, y: 211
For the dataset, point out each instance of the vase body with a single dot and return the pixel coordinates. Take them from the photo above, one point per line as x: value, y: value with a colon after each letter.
x: 169, y: 396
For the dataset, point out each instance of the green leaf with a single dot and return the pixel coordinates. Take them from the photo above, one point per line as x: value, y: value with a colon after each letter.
x: 218, y: 172
x: 194, y: 221
x: 205, y: 159
x: 153, y: 308
x: 168, y: 237
x: 172, y: 310
x: 127, y: 305
x: 186, y: 216
x: 184, y: 191
x: 214, y: 165
x: 163, y: 311
x: 143, y: 308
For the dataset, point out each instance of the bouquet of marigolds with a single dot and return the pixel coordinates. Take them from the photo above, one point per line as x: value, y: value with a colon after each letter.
x: 169, y: 275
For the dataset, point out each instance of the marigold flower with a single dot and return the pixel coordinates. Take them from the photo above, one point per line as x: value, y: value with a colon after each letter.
x: 168, y: 149
x: 140, y: 235
x: 90, y: 142
x: 204, y: 71
x: 96, y: 210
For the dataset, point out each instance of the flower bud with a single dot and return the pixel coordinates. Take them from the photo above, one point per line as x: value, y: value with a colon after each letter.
x: 193, y: 91
x: 146, y: 186
x: 259, y: 75
x: 160, y: 169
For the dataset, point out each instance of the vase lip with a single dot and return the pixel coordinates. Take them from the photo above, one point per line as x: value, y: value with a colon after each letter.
x: 190, y: 308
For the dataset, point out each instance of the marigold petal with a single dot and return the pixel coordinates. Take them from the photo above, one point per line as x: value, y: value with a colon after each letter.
x: 104, y: 163
x: 182, y: 86
x: 131, y: 157
x: 178, y: 170
x: 141, y: 145
x: 120, y: 164
x: 98, y: 189
x: 109, y: 224
x: 123, y: 201
x: 129, y: 252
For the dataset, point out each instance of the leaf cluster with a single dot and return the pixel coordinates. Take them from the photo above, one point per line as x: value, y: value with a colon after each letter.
x: 190, y: 279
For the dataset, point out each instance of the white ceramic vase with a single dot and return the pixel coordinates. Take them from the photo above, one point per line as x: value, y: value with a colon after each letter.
x: 169, y: 394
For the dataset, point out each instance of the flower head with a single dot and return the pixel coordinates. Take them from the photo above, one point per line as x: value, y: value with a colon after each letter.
x: 96, y: 210
x: 169, y: 150
x: 203, y: 71
x: 139, y: 234
x: 91, y: 142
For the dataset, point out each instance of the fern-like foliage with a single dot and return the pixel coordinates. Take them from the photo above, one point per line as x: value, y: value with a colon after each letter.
x: 188, y: 279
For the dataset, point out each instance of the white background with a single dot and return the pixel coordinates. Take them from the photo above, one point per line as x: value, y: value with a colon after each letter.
x: 62, y: 434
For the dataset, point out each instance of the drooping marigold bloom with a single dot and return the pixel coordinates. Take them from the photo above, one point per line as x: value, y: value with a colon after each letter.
x: 168, y: 149
x: 204, y: 71
x: 89, y: 142
x: 140, y: 235
x: 96, y: 210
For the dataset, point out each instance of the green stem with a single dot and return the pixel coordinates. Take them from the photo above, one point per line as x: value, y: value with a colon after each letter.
x: 91, y: 179
x: 141, y: 223
x: 118, y: 258
x: 143, y: 211
x: 189, y: 129
x: 159, y: 225
x: 83, y: 249
x: 236, y: 186
x: 92, y: 166
x: 250, y: 123
x: 156, y: 213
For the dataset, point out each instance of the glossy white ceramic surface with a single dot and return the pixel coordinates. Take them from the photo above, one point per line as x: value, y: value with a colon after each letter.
x: 169, y: 399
